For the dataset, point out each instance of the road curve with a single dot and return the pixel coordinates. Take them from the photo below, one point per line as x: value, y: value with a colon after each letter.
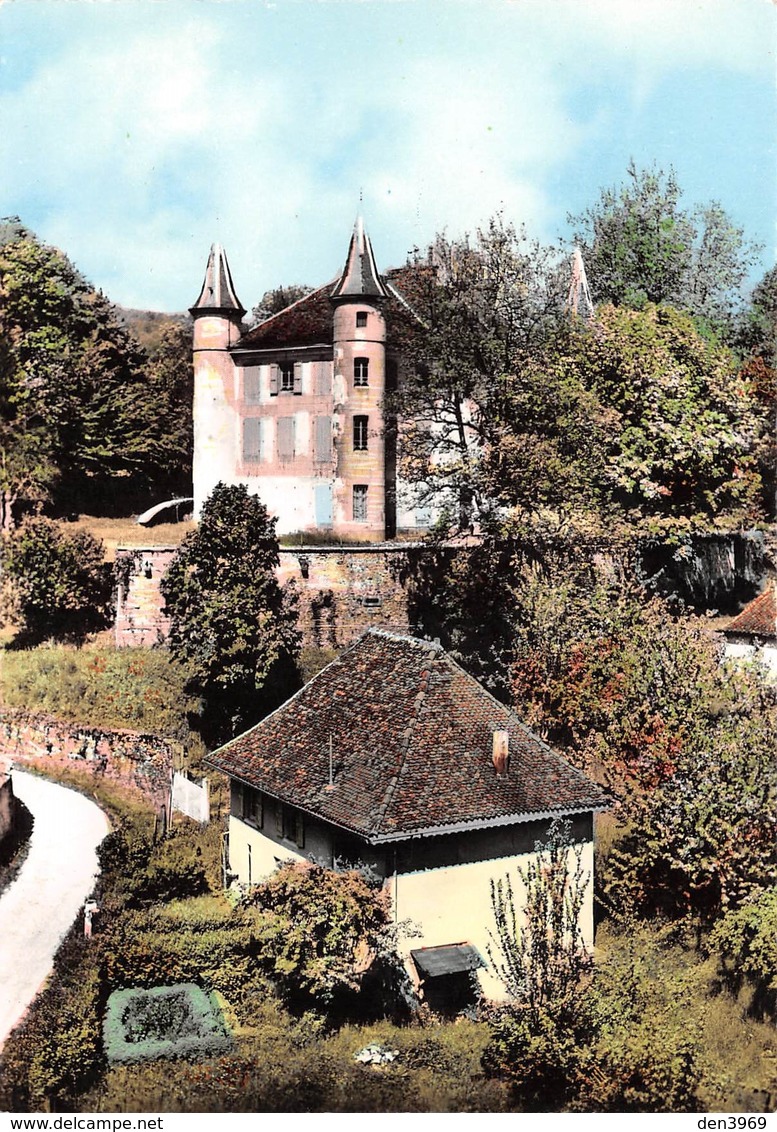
x: 46, y: 896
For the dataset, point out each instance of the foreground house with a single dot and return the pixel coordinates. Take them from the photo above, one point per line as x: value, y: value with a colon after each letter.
x: 752, y: 635
x: 393, y: 758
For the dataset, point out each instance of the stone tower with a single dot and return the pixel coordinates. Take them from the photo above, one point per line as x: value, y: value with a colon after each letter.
x: 217, y: 318
x: 359, y: 385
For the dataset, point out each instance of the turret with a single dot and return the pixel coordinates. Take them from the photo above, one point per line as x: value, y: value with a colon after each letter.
x: 359, y: 340
x: 217, y: 316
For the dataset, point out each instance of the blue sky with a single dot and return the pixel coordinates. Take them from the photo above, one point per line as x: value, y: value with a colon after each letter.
x: 133, y: 133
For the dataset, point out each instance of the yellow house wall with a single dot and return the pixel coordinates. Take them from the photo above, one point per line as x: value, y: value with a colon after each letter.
x: 453, y: 905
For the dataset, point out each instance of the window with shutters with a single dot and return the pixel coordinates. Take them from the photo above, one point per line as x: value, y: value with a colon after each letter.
x: 361, y: 367
x: 252, y: 440
x: 253, y: 807
x: 289, y: 824
x: 285, y: 438
x: 360, y: 433
x: 251, y: 387
x: 360, y: 503
x: 287, y: 377
x: 361, y: 318
x: 323, y: 453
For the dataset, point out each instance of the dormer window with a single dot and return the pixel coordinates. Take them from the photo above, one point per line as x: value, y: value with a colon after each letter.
x: 361, y: 368
x: 361, y: 318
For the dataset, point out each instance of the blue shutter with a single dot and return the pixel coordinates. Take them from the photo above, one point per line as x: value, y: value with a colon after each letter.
x: 323, y: 502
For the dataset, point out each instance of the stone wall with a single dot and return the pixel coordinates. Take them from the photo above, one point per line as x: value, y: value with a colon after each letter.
x: 139, y: 604
x: 343, y: 591
x: 6, y: 804
x: 128, y: 758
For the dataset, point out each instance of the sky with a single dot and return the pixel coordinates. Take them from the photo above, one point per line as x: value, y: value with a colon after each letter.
x: 135, y: 133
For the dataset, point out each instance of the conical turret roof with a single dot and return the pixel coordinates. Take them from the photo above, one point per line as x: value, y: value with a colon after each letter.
x: 218, y: 291
x: 360, y: 275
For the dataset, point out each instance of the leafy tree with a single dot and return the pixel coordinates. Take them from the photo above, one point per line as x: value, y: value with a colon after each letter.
x: 231, y: 624
x: 325, y: 937
x: 541, y: 956
x: 641, y: 246
x: 276, y: 300
x: 639, y: 697
x: 81, y: 424
x: 60, y: 586
x: 480, y: 307
x: 683, y: 426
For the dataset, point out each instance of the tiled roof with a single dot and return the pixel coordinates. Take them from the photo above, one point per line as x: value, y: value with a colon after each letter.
x: 759, y: 617
x: 310, y: 321
x: 411, y: 748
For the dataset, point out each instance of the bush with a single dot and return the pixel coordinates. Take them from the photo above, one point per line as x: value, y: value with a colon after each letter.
x: 324, y: 937
x: 746, y: 940
x: 538, y: 1055
x: 60, y: 585
x: 170, y: 1021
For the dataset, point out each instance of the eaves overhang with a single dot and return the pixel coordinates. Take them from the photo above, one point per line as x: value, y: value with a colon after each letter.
x: 467, y: 826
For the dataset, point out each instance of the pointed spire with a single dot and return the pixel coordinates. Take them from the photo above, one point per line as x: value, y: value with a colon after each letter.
x: 579, y: 297
x: 360, y: 275
x: 218, y: 291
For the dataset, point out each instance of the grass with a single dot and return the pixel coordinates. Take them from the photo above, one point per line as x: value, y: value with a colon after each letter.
x: 127, y: 532
x: 137, y: 689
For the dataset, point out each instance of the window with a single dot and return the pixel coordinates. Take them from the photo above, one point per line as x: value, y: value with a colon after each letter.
x: 289, y: 824
x: 323, y: 440
x: 360, y: 370
x: 360, y: 433
x: 285, y: 438
x: 252, y: 440
x: 253, y: 808
x: 361, y: 318
x: 287, y: 377
x: 360, y: 503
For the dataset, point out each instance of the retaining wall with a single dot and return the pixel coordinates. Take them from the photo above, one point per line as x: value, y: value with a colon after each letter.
x: 128, y: 758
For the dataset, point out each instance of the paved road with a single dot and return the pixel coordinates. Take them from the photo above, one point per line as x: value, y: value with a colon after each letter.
x: 44, y: 900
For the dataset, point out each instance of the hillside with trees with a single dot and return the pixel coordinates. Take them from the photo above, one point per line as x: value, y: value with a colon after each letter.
x: 88, y: 420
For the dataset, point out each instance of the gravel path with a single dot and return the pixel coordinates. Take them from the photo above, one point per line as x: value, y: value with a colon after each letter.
x: 44, y: 900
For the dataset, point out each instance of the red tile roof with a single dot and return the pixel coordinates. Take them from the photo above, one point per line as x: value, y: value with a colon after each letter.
x: 759, y: 617
x: 411, y: 742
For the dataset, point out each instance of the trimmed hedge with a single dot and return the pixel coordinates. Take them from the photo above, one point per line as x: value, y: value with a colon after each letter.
x: 174, y: 1021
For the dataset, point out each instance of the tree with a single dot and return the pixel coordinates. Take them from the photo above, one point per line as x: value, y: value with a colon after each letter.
x: 641, y: 246
x: 684, y: 426
x: 83, y: 421
x: 478, y: 310
x: 541, y: 956
x: 276, y: 300
x: 231, y: 624
x: 59, y: 582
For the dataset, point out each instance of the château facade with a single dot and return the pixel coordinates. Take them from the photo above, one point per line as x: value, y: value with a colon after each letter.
x: 294, y: 408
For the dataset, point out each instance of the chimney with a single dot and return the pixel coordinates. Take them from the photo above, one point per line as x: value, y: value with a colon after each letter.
x: 501, y: 751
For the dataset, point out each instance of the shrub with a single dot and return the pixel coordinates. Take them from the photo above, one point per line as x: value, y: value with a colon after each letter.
x: 323, y: 937
x: 538, y: 1054
x: 746, y: 940
x: 61, y: 587
x: 171, y: 1021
